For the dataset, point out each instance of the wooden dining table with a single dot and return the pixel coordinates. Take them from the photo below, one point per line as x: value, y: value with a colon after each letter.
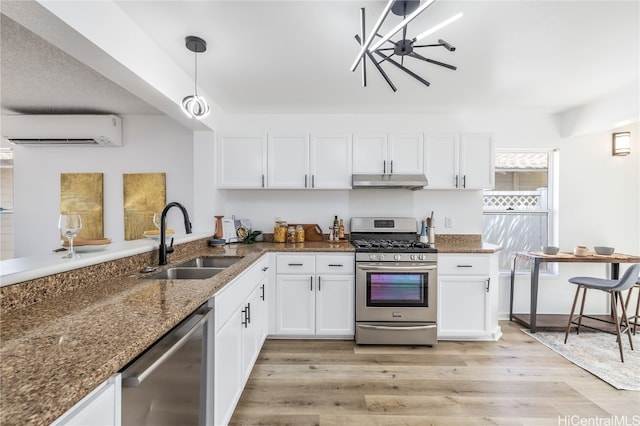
x: 535, y: 259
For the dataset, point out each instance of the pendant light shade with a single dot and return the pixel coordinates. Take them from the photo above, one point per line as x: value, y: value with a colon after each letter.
x: 195, y: 106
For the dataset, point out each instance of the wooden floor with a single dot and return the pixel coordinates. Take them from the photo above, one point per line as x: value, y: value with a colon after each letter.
x: 516, y: 381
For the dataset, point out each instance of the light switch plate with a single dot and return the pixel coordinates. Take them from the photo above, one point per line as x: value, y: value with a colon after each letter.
x: 448, y: 222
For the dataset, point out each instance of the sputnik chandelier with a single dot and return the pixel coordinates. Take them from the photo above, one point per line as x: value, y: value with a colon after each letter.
x: 409, y: 10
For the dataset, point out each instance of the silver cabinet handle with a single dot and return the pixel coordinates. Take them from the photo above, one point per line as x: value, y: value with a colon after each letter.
x: 464, y: 181
x: 305, y: 181
x: 294, y: 264
x: 262, y: 295
x: 249, y: 313
x: 391, y: 171
x: 311, y: 283
x: 456, y: 181
x: 137, y: 372
x: 398, y: 268
x: 464, y: 266
x: 263, y: 181
x: 399, y: 328
x: 384, y: 167
x: 488, y: 283
x: 245, y: 321
x: 319, y: 285
x: 336, y: 265
x: 313, y: 181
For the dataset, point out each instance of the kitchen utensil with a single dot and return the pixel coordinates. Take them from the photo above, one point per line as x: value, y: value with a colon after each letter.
x: 551, y: 250
x: 604, y: 250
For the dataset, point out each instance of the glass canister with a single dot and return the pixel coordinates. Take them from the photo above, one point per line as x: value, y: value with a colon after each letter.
x: 291, y: 234
x: 299, y: 234
x: 280, y: 232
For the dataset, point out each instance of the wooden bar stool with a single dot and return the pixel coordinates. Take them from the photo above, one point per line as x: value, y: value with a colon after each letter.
x: 614, y: 288
x: 633, y: 320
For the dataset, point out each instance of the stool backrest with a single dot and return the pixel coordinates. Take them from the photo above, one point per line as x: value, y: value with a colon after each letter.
x: 628, y: 279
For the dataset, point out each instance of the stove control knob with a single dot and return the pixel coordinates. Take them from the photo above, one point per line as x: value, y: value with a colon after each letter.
x: 421, y: 257
x: 412, y: 257
x: 397, y: 257
x: 372, y: 257
x: 381, y: 257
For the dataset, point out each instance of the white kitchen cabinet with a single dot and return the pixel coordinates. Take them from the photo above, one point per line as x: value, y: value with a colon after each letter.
x: 309, y: 162
x: 465, y: 161
x: 288, y: 162
x: 242, y: 162
x: 102, y: 407
x: 388, y: 154
x: 330, y: 161
x: 238, y: 337
x: 315, y: 295
x: 468, y: 297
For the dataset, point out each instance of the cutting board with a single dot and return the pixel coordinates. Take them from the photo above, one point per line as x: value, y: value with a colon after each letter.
x: 312, y: 231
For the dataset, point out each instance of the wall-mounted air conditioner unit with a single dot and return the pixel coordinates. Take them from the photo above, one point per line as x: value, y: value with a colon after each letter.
x: 62, y: 130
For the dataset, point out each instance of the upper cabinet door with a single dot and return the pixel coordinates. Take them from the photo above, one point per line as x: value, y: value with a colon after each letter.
x: 442, y: 161
x: 331, y: 161
x: 289, y: 162
x: 242, y: 162
x: 477, y: 161
x: 370, y: 154
x: 406, y: 154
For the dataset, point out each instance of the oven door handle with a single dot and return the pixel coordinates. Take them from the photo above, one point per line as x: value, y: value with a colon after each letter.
x: 397, y: 268
x: 407, y: 328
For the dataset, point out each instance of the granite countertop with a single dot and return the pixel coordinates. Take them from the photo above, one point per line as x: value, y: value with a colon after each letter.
x: 56, y: 351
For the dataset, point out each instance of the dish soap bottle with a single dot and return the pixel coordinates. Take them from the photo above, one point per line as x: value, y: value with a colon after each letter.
x: 341, y: 230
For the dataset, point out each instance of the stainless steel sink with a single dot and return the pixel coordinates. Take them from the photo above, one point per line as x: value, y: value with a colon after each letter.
x: 180, y: 273
x: 210, y: 262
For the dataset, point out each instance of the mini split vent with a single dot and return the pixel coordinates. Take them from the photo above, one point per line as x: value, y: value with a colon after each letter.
x: 62, y: 130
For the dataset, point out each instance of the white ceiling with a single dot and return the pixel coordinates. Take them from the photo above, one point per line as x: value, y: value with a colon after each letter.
x: 294, y: 56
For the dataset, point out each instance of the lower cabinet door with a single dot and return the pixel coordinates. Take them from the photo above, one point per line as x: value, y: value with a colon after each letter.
x: 228, y: 371
x: 335, y: 305
x: 101, y: 407
x: 250, y: 334
x: 295, y: 305
x: 463, y: 306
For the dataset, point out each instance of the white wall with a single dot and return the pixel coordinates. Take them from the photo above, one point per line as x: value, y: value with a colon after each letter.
x: 152, y: 144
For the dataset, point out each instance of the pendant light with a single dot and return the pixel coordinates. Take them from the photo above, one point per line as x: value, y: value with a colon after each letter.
x: 195, y: 106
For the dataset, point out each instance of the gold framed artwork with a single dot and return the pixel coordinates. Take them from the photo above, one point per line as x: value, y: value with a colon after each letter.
x: 144, y: 194
x: 82, y: 193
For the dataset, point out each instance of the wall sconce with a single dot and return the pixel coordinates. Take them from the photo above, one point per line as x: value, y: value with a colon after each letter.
x: 621, y: 143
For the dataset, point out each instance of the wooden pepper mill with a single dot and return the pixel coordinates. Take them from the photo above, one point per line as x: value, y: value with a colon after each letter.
x: 218, y: 233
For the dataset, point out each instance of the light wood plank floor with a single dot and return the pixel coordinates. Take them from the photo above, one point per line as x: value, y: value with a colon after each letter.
x: 516, y: 381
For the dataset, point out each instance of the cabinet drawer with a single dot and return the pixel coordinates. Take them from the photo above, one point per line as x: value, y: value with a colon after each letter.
x: 295, y: 264
x: 335, y: 264
x: 463, y: 264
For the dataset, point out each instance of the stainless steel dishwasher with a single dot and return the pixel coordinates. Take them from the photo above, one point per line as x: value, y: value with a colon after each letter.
x: 171, y: 383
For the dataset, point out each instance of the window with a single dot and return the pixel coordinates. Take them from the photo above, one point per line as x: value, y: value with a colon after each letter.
x: 518, y: 213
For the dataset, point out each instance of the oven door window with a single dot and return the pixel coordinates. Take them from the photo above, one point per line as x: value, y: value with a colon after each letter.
x: 397, y: 289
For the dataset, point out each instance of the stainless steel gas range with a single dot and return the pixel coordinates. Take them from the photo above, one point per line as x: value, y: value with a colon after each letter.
x: 396, y: 282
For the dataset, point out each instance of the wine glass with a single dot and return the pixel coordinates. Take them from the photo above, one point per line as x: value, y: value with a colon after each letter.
x: 157, y: 217
x: 70, y: 226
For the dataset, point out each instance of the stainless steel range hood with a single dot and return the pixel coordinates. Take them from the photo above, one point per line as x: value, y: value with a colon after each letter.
x: 412, y: 182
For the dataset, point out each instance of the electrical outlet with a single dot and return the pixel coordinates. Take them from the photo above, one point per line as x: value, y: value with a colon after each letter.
x: 448, y: 222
